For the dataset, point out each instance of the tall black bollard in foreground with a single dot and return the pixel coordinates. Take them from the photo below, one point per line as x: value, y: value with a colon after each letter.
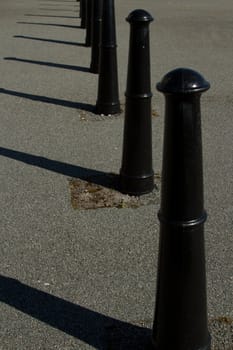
x: 108, y: 91
x: 83, y: 15
x: 96, y: 32
x: 180, y: 321
x: 136, y: 174
x: 89, y: 4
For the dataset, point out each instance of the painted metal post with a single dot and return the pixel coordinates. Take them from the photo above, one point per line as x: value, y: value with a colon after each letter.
x: 108, y: 91
x: 83, y: 14
x: 80, y: 8
x: 96, y: 34
x: 89, y: 4
x: 180, y: 321
x: 136, y: 174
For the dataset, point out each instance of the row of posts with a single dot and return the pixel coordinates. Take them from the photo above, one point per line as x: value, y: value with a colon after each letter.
x: 180, y: 321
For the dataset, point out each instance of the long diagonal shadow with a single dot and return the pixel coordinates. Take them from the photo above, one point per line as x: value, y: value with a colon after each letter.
x: 50, y: 100
x: 50, y: 24
x: 49, y: 64
x: 47, y: 3
x: 63, y: 1
x: 50, y: 16
x: 49, y: 40
x: 56, y: 9
x: 93, y: 328
x: 90, y: 175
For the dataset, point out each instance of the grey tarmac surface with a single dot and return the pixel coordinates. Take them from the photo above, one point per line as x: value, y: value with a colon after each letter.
x: 85, y: 279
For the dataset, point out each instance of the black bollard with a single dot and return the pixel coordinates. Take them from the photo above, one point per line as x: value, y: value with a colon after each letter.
x: 96, y: 32
x: 89, y: 4
x: 136, y: 174
x: 83, y: 14
x: 180, y: 321
x: 80, y: 8
x: 108, y: 94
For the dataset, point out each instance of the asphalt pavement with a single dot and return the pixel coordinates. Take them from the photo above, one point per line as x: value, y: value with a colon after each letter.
x: 86, y: 278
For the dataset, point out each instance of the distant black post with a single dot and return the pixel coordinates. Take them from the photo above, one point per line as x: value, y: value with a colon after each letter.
x: 96, y: 32
x: 108, y: 92
x: 89, y: 4
x: 80, y: 8
x: 83, y: 14
x: 180, y: 321
x: 136, y: 174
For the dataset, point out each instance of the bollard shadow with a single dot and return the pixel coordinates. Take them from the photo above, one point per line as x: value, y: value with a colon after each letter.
x: 57, y: 10
x: 49, y: 100
x: 49, y: 40
x: 93, y: 328
x: 64, y: 4
x: 51, y: 25
x: 50, y: 16
x: 97, y: 177
x: 74, y: 5
x: 63, y: 1
x: 49, y: 64
x: 59, y: 1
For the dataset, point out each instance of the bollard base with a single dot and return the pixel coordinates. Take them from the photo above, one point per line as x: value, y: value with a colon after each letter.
x: 94, y: 68
x: 108, y: 108
x: 136, y: 185
x: 154, y: 346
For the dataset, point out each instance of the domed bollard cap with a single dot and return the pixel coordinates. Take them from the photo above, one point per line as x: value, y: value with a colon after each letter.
x: 139, y: 16
x: 183, y: 81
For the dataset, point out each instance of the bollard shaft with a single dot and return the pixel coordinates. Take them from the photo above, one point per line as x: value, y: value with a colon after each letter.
x: 83, y: 15
x: 136, y: 174
x: 89, y: 4
x: 180, y: 321
x: 108, y: 91
x: 138, y: 79
x: 96, y: 35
